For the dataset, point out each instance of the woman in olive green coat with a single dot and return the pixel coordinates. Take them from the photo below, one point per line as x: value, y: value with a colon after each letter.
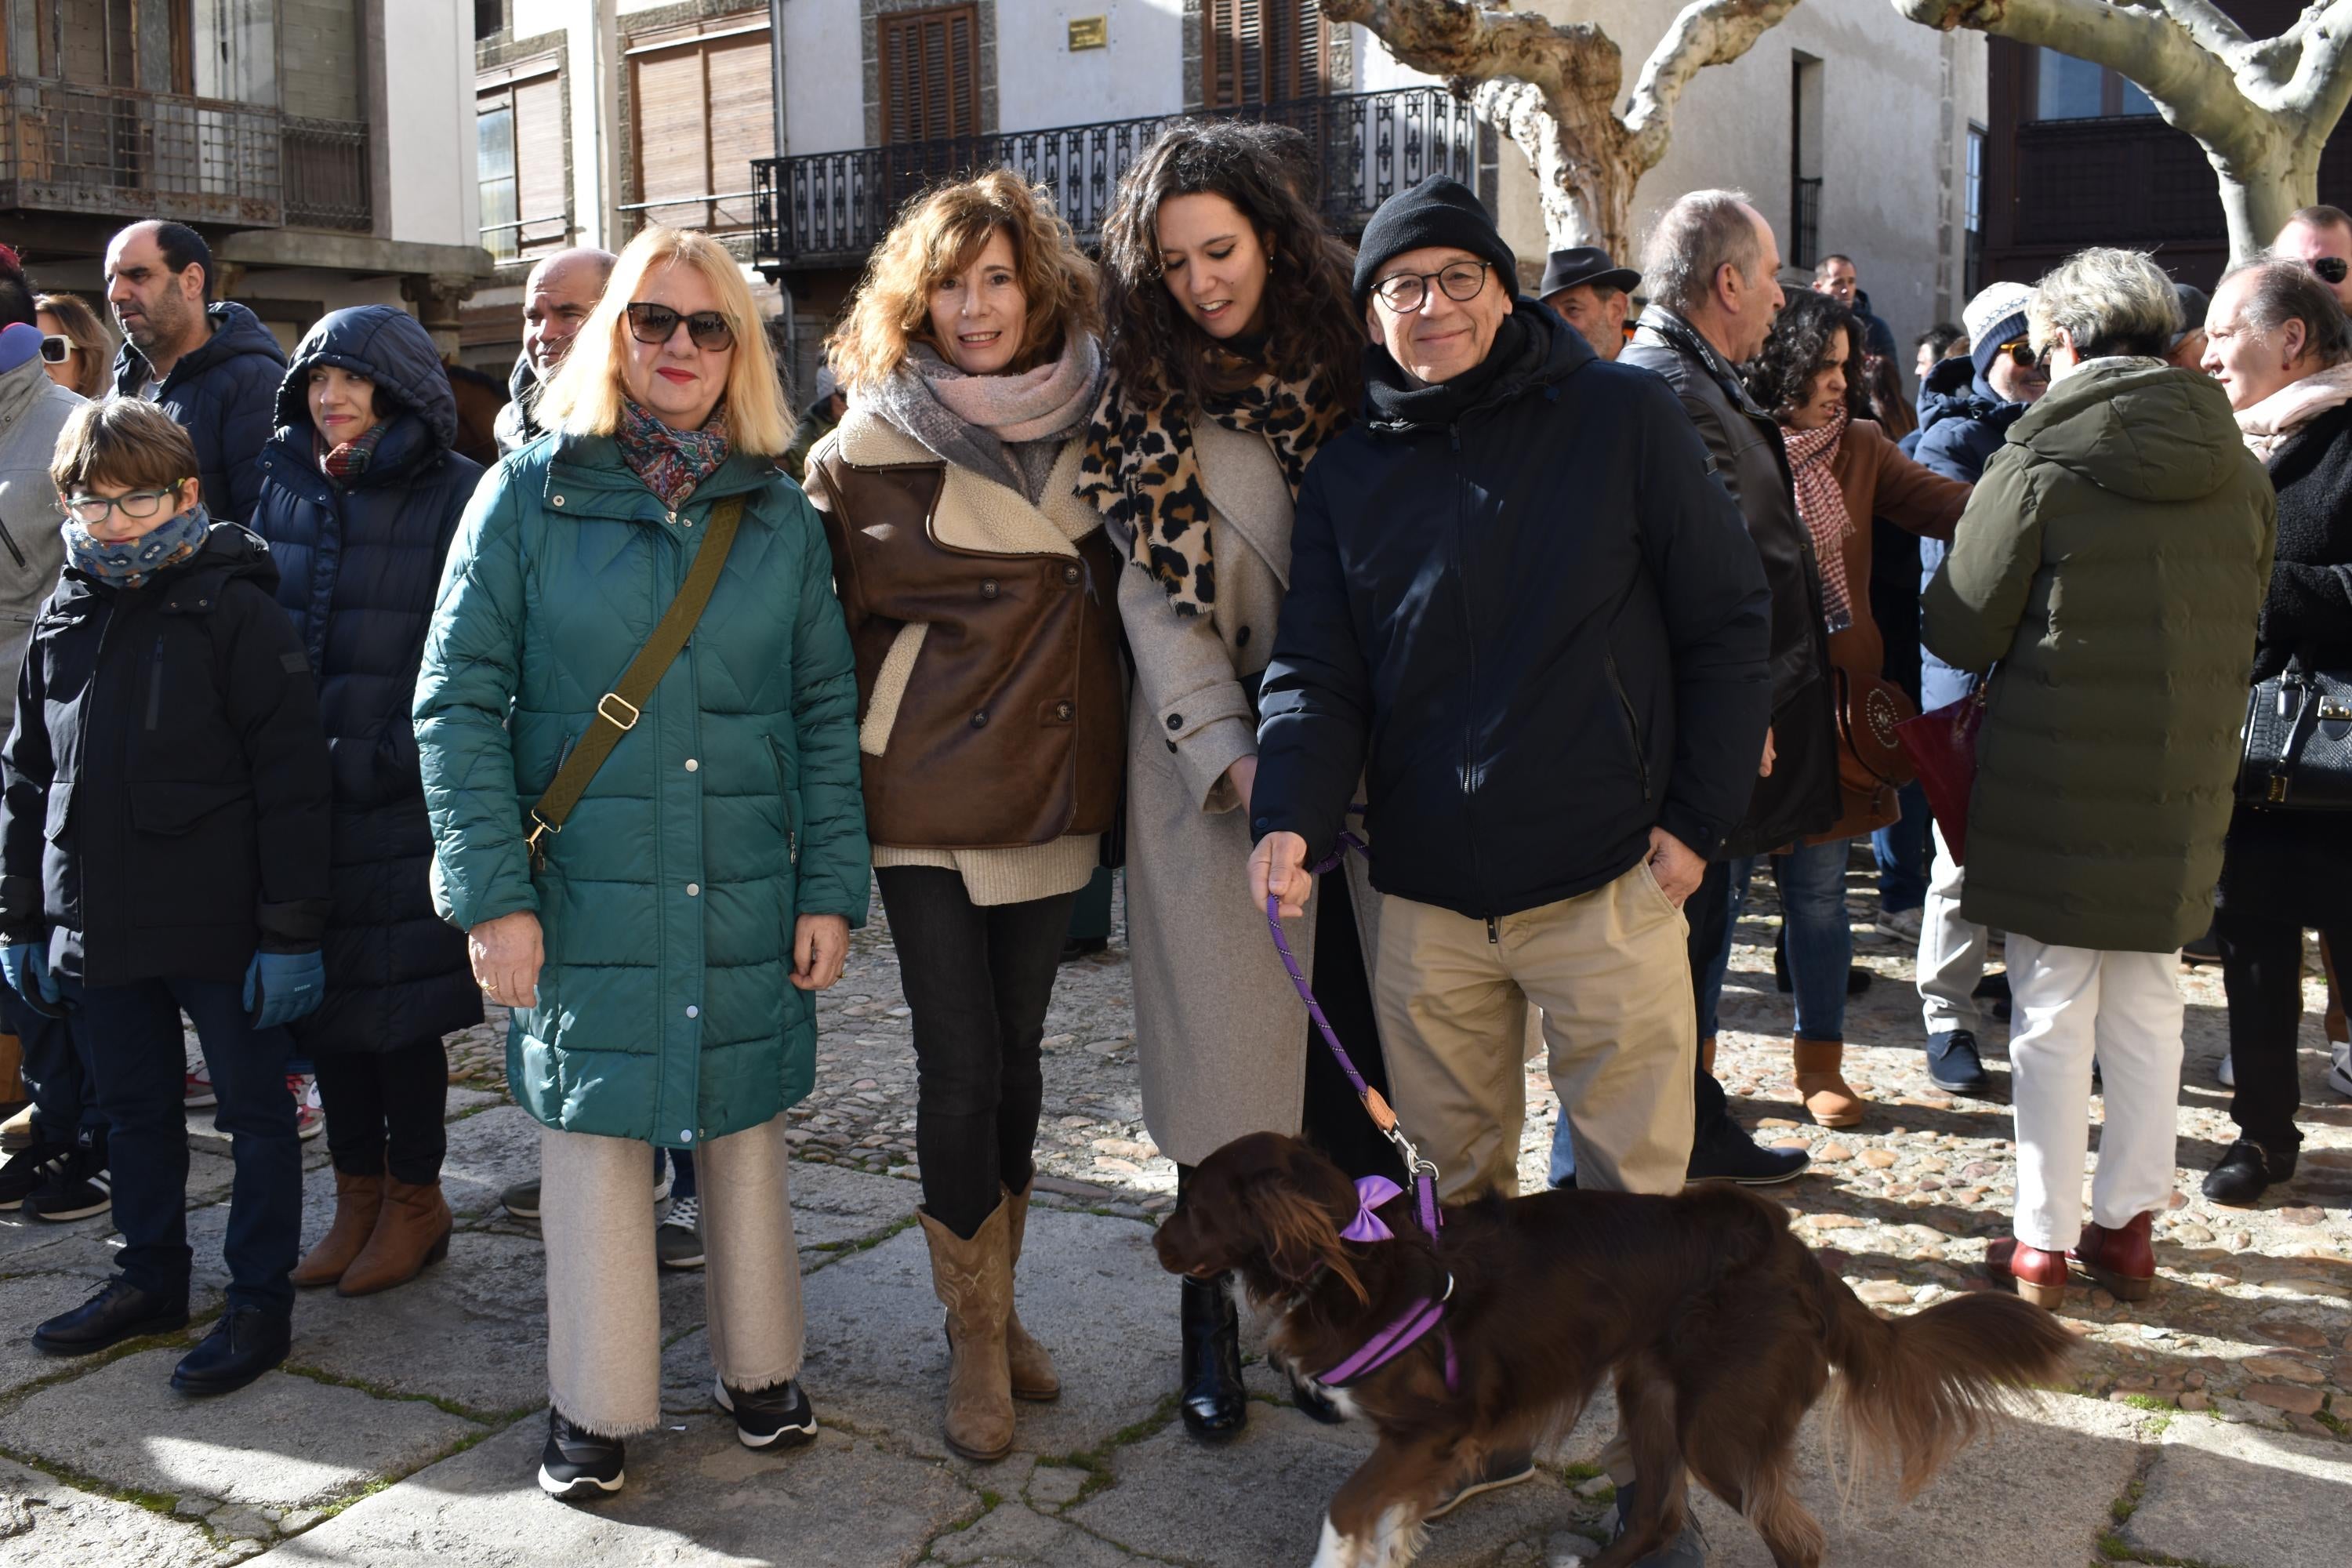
x: 661, y: 950
x: 2109, y: 570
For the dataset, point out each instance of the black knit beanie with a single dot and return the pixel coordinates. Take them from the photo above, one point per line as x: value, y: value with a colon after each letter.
x: 1439, y: 211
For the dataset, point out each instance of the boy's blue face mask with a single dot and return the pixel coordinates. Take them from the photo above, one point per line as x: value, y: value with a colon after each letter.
x: 128, y: 563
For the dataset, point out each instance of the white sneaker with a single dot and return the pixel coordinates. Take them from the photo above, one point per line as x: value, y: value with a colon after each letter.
x: 2225, y: 1072
x: 2340, y: 1069
x: 1903, y: 925
x: 310, y: 1118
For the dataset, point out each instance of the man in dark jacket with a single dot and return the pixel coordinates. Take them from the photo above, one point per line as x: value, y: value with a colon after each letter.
x: 1966, y: 409
x: 1837, y: 278
x: 164, y: 848
x: 1711, y: 268
x: 557, y: 297
x: 1520, y: 612
x: 213, y: 367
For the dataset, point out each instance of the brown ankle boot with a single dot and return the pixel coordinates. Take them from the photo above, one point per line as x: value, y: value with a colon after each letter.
x: 413, y: 1231
x: 358, y: 1200
x: 1828, y: 1098
x: 1032, y: 1365
x: 1706, y: 1056
x: 974, y: 1282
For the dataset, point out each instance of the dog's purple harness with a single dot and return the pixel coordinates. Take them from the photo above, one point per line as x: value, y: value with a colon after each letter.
x: 1428, y: 1312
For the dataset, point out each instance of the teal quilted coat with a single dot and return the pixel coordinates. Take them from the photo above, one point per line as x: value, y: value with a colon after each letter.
x: 667, y: 902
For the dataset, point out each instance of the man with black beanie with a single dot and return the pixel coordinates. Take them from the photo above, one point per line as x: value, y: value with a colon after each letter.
x: 1522, y: 612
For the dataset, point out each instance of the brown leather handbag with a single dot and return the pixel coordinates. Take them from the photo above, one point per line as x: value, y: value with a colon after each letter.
x: 1868, y: 711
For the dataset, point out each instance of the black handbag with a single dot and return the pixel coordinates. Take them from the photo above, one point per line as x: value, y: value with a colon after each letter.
x: 2298, y: 754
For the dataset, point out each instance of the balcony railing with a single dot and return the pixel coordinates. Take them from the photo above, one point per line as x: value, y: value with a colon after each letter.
x: 115, y: 152
x: 327, y: 183
x: 823, y: 209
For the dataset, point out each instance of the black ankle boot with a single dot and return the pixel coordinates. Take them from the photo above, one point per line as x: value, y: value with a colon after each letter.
x: 1215, y: 1404
x: 2246, y: 1171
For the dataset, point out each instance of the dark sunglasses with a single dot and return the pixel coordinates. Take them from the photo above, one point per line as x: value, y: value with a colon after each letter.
x: 55, y: 349
x: 2331, y: 268
x: 655, y: 324
x: 2020, y: 354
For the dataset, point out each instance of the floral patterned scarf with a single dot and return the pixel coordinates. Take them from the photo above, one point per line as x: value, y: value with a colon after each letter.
x: 672, y: 463
x: 1141, y: 472
x: 1820, y: 502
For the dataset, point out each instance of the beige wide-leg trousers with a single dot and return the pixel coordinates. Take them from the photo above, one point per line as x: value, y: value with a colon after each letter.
x: 604, y: 1297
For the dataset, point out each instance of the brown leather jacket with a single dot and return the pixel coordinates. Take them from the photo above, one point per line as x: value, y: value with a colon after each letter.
x: 990, y: 695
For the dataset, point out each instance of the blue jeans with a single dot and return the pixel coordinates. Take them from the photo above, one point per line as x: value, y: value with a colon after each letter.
x: 1901, y: 850
x: 1820, y: 942
x: 137, y: 1060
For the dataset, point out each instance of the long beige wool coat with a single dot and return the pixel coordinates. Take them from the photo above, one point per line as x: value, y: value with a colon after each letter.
x: 1219, y: 1030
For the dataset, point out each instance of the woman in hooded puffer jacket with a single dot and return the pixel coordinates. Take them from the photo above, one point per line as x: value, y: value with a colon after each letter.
x: 359, y: 501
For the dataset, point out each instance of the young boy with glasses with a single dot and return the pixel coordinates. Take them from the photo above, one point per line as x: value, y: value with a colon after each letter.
x: 164, y: 847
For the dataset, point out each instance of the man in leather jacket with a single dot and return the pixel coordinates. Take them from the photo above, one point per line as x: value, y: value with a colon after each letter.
x: 1711, y: 271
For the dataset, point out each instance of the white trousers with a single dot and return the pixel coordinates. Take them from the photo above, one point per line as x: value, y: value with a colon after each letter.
x: 1951, y: 951
x: 2070, y: 1005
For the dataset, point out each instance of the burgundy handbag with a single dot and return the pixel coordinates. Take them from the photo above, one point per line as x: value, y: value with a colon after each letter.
x: 1943, y: 746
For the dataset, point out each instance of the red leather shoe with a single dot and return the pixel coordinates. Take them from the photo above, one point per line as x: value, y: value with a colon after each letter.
x: 2038, y: 1276
x: 2122, y: 1261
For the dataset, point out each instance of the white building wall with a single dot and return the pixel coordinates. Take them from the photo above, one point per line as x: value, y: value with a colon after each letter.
x: 824, y: 76
x: 429, y: 87
x: 1042, y: 82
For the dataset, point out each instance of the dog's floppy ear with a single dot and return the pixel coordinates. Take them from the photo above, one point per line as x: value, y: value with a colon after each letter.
x: 1299, y: 1233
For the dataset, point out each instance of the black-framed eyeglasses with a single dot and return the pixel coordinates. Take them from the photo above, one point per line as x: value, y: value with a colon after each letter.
x: 655, y: 324
x: 55, y: 347
x: 1405, y: 292
x: 137, y: 505
x: 2331, y: 268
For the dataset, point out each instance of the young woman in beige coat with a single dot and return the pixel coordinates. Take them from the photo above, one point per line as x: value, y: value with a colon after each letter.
x: 978, y: 593
x: 1234, y: 354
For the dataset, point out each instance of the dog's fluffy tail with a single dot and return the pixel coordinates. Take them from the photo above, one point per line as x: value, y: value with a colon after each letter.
x: 1923, y: 1386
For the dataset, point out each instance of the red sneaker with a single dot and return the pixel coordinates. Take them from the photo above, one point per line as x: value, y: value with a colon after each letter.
x: 2038, y: 1276
x: 197, y: 1089
x: 2122, y: 1261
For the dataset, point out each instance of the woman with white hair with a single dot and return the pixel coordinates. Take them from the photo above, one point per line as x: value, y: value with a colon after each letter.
x: 2279, y: 344
x: 2107, y: 572
x: 657, y: 917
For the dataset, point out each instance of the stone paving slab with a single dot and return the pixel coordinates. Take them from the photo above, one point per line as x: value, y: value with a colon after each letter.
x: 45, y: 1523
x: 1013, y: 1535
x: 833, y: 1207
x: 1089, y: 1288
x: 694, y: 1497
x: 489, y: 1153
x: 2231, y: 1495
x: 284, y: 1442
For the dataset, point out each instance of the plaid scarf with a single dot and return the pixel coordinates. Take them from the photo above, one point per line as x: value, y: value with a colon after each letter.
x: 1141, y: 472
x: 672, y: 463
x: 1820, y: 502
x: 349, y: 459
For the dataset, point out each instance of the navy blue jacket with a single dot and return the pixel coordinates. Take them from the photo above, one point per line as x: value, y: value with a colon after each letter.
x: 1962, y: 423
x: 222, y: 395
x: 359, y: 565
x: 1537, y: 631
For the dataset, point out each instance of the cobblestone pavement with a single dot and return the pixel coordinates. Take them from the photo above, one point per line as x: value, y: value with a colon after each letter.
x: 2206, y: 1425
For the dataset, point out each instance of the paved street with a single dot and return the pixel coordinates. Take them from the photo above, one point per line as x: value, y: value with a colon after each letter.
x: 2207, y: 1427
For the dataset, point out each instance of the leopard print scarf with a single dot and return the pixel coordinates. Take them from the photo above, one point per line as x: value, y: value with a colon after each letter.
x: 1140, y: 471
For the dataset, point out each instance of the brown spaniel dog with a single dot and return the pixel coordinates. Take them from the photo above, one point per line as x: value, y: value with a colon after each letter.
x: 1719, y: 1326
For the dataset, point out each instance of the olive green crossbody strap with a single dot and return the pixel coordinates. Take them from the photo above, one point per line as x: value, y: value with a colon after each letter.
x: 618, y: 709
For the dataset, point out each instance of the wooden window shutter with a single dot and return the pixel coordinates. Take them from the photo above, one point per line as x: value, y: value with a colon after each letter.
x: 1263, y: 51
x: 542, y: 183
x: 673, y: 152
x: 930, y: 74
x: 743, y: 120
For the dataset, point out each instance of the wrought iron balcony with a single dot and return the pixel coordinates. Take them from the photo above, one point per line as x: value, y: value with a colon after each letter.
x: 327, y: 183
x: 828, y: 209
x: 117, y: 153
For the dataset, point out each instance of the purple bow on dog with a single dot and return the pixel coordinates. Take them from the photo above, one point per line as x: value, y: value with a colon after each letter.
x: 1372, y: 1192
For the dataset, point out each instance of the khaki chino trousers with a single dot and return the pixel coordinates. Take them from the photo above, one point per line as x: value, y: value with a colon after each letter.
x: 1610, y: 972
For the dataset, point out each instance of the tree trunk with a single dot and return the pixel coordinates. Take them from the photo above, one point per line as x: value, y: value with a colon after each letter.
x: 1584, y: 167
x: 2258, y: 202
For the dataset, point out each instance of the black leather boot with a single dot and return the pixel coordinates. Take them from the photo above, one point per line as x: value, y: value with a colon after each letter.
x: 245, y: 1343
x: 1215, y: 1404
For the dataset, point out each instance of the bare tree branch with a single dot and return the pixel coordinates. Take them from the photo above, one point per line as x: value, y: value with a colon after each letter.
x: 1710, y: 33
x: 2207, y: 23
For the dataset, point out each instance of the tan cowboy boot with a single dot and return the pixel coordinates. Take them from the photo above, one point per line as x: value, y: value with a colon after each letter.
x: 412, y: 1231
x: 974, y: 1282
x: 358, y: 1200
x: 1032, y: 1365
x: 1828, y: 1098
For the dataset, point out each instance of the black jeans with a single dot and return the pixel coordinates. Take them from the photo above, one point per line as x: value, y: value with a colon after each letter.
x: 2261, y: 971
x: 978, y: 980
x: 384, y: 1110
x: 57, y: 1077
x: 1708, y: 910
x: 139, y: 1061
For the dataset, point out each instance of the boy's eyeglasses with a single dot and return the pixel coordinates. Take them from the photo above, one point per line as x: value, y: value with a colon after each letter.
x: 137, y: 505
x: 55, y: 348
x: 2331, y: 268
x: 655, y: 325
x: 1405, y: 292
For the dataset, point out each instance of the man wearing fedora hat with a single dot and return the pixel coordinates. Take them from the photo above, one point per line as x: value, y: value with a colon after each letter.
x: 1590, y: 293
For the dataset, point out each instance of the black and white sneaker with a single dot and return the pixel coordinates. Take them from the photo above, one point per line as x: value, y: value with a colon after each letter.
x: 677, y: 1240
x: 768, y: 1418
x: 576, y: 1462
x: 74, y: 1190
x: 25, y: 1173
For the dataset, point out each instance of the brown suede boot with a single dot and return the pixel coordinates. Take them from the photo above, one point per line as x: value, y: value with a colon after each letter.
x: 1828, y: 1098
x: 1706, y: 1056
x: 413, y: 1231
x: 358, y: 1200
x: 1032, y: 1365
x: 974, y: 1282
